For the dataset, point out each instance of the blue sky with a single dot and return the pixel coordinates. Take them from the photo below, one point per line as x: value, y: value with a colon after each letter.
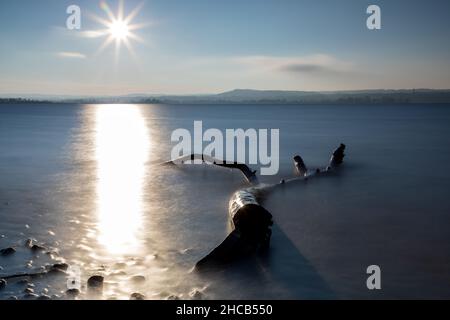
x: 203, y: 46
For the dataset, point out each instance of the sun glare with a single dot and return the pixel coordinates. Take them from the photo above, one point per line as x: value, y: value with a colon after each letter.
x: 121, y: 147
x: 119, y: 30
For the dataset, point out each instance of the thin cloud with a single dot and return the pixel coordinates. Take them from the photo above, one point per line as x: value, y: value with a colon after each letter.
x: 312, y: 64
x: 71, y: 55
x: 92, y: 33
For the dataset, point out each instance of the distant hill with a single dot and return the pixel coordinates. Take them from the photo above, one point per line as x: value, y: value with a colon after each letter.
x: 337, y: 97
x: 248, y: 96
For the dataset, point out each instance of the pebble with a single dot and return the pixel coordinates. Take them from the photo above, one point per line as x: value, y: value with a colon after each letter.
x: 30, y: 296
x: 185, y: 251
x: 29, y: 243
x: 44, y: 297
x: 51, y: 254
x: 28, y: 290
x: 196, y: 294
x: 95, y: 282
x: 120, y: 265
x: 73, y: 292
x: 7, y: 251
x: 13, y: 298
x: 36, y: 247
x: 138, y: 279
x: 3, y: 283
x: 137, y: 296
x: 59, y: 267
x: 173, y: 297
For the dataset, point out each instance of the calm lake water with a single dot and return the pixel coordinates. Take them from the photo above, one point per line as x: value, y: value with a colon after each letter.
x: 85, y: 181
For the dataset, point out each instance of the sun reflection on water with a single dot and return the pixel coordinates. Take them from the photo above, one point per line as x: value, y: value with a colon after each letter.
x: 121, y: 149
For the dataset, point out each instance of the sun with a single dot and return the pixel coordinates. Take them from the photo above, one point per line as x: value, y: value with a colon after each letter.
x: 119, y: 29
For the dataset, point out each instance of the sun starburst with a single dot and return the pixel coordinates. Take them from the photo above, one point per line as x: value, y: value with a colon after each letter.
x: 119, y: 29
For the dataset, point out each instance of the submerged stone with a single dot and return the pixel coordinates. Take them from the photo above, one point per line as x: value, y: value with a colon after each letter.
x: 95, y: 282
x: 73, y: 292
x: 3, y: 283
x: 138, y: 279
x: 30, y: 296
x: 137, y: 296
x: 28, y: 290
x: 29, y: 243
x: 23, y: 281
x: 7, y: 251
x: 60, y: 267
x: 196, y: 294
x: 36, y: 247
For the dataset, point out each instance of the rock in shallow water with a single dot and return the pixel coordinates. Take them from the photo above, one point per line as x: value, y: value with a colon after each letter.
x: 44, y: 297
x: 23, y: 281
x: 138, y: 279
x: 7, y: 251
x: 196, y: 294
x: 73, y: 292
x: 59, y: 267
x: 36, y: 247
x: 120, y: 265
x: 137, y: 296
x: 30, y: 296
x: 29, y: 243
x: 28, y: 290
x: 3, y: 283
x: 95, y: 282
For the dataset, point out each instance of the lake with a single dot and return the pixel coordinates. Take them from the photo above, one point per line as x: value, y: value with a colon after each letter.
x: 85, y: 182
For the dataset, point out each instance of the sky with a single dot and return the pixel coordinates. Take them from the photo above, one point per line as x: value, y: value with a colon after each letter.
x: 212, y: 46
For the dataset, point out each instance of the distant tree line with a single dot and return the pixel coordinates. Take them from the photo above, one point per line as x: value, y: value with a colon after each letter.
x: 259, y: 97
x: 22, y: 100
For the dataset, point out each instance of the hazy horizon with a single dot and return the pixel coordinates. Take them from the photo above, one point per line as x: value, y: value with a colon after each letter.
x: 156, y: 95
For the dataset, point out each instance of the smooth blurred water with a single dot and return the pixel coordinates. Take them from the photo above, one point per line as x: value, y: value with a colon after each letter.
x: 87, y: 181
